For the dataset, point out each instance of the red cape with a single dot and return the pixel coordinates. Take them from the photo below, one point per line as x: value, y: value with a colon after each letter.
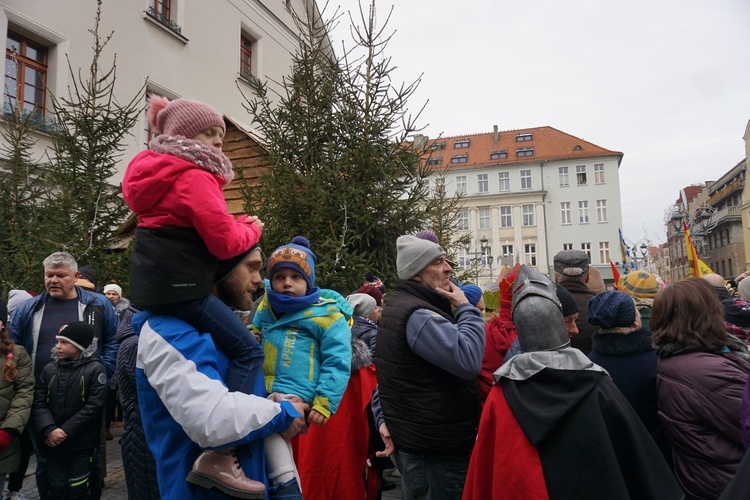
x: 332, y: 460
x: 504, y: 464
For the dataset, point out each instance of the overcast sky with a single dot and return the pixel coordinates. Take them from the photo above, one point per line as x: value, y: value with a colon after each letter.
x: 666, y: 82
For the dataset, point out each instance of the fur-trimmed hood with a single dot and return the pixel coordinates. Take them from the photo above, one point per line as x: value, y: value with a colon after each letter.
x: 361, y: 356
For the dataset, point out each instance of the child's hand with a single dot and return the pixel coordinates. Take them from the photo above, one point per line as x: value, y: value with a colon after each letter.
x: 254, y: 220
x: 316, y: 418
x: 55, y: 438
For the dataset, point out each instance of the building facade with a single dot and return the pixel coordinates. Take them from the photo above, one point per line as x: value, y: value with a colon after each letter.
x: 725, y: 244
x: 177, y: 48
x: 530, y: 193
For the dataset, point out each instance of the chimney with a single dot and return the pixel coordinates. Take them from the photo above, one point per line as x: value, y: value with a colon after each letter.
x: 497, y: 136
x: 420, y: 141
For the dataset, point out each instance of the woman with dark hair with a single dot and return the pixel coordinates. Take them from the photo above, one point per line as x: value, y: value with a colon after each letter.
x: 701, y: 375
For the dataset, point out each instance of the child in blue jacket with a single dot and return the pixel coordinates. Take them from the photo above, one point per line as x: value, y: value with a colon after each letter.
x: 306, y: 340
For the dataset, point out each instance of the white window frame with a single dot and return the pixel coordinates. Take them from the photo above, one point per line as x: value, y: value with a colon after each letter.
x: 483, y: 183
x: 506, y: 219
x: 604, y: 252
x: 526, y: 179
x: 565, y: 219
x: 503, y: 179
x: 601, y: 210
x: 528, y: 215
x: 581, y: 178
x: 529, y: 249
x: 484, y: 217
x: 463, y: 219
x: 564, y: 176
x: 598, y: 173
x: 583, y: 212
x: 460, y: 184
x: 567, y: 246
x: 586, y: 247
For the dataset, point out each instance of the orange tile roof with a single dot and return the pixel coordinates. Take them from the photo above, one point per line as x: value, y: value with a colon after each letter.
x: 548, y: 143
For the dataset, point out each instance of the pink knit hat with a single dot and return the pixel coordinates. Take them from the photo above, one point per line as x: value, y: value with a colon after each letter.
x: 182, y: 116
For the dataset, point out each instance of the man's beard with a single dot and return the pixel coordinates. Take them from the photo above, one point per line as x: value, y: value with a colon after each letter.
x: 234, y: 294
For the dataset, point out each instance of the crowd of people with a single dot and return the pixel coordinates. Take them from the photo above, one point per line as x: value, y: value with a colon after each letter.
x: 232, y: 385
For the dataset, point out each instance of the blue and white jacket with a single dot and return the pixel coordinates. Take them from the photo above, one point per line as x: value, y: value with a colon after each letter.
x: 185, y: 406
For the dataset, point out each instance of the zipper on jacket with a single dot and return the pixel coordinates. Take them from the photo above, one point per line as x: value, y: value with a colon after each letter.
x: 312, y: 361
x: 49, y: 385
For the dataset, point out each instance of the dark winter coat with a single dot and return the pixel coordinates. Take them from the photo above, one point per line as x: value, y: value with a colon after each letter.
x: 699, y: 395
x: 586, y: 330
x: 71, y: 395
x: 15, y: 407
x: 428, y: 410
x: 367, y: 331
x: 137, y: 460
x: 631, y: 362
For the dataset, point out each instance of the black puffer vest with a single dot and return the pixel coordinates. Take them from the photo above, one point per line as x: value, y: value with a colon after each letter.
x: 427, y: 409
x: 169, y: 266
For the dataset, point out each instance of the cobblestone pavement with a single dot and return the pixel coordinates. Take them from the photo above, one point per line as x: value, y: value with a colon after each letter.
x: 114, y: 483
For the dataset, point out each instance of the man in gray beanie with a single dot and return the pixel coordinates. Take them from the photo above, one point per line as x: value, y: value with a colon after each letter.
x: 428, y: 356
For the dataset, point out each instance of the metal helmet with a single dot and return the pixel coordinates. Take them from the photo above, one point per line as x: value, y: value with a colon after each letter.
x: 537, y: 312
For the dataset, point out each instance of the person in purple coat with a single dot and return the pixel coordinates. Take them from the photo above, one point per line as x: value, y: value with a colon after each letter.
x: 700, y: 379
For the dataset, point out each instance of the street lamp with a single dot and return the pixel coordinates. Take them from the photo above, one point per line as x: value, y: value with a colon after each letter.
x: 488, y: 257
x: 643, y: 250
x: 478, y: 255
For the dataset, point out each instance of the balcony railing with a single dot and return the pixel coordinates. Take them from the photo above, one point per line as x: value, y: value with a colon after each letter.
x: 33, y: 118
x: 164, y: 20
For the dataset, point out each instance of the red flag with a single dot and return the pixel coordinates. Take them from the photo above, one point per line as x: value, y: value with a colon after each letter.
x: 615, y: 274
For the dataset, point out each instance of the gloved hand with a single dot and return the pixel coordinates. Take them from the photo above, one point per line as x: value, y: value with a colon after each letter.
x: 5, y: 439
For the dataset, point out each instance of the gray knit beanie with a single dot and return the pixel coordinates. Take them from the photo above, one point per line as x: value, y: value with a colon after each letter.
x: 414, y: 254
x: 743, y: 288
x: 362, y: 304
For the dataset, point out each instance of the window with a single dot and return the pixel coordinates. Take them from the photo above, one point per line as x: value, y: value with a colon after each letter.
x: 463, y: 219
x: 604, y: 252
x: 586, y: 247
x: 601, y: 210
x: 434, y: 161
x: 484, y: 218
x: 463, y: 259
x: 486, y: 253
x: 504, y: 178
x: 507, y: 250
x: 483, y: 182
x: 525, y: 179
x: 247, y: 44
x: 528, y: 215
x: 581, y: 175
x: 524, y: 152
x: 506, y: 219
x: 567, y: 246
x: 523, y: 137
x: 459, y: 159
x: 530, y: 251
x: 460, y: 184
x: 427, y: 186
x: 599, y: 173
x: 565, y: 213
x: 499, y: 155
x: 435, y: 145
x: 461, y: 143
x: 564, y: 182
x: 25, y: 75
x: 162, y: 11
x: 583, y: 212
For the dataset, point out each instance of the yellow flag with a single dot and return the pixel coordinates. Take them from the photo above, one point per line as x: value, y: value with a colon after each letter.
x: 698, y: 268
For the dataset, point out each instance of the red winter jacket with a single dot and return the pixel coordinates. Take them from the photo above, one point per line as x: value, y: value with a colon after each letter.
x: 167, y: 191
x: 500, y: 333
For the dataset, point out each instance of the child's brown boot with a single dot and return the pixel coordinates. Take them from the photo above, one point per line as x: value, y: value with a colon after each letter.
x: 221, y: 469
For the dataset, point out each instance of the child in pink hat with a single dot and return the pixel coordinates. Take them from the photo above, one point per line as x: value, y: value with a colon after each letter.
x: 185, y: 235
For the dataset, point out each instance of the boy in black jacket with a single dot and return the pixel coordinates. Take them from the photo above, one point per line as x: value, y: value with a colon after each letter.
x: 68, y: 404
